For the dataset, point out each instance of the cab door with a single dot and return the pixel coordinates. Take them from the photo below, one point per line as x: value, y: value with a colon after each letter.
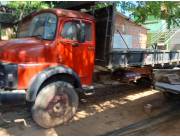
x: 78, y: 47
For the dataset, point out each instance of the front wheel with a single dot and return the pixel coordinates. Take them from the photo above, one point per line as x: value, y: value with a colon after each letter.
x: 55, y: 104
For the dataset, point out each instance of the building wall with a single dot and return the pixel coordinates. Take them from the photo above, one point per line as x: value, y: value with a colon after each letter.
x: 136, y: 34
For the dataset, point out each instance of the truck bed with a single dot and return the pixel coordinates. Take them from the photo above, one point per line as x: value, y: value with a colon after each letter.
x: 107, y: 54
x: 125, y: 58
x: 168, y: 87
x: 167, y: 80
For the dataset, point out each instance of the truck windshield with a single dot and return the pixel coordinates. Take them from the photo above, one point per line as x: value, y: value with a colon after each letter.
x: 42, y: 25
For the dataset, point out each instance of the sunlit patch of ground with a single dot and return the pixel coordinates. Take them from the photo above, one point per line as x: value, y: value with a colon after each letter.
x: 112, y: 104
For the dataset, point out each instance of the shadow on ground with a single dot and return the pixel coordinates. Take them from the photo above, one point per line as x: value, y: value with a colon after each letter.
x: 98, y: 114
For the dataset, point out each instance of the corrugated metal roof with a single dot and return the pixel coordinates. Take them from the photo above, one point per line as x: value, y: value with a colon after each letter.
x: 7, y: 18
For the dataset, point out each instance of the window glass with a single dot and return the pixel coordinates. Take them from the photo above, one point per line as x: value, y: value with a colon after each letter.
x: 70, y: 30
x: 23, y: 29
x: 43, y: 25
x: 73, y: 29
x: 50, y: 27
x: 88, y: 30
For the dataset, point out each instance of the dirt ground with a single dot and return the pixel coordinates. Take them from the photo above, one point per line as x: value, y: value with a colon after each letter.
x: 98, y: 114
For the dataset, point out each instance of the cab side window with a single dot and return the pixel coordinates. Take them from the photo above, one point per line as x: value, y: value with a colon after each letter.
x: 72, y: 30
x: 88, y: 30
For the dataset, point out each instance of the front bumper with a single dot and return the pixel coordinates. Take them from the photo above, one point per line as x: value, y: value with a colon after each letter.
x: 8, y: 75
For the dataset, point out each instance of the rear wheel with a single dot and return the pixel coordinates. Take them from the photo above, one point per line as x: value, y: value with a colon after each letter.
x: 144, y: 82
x: 55, y: 104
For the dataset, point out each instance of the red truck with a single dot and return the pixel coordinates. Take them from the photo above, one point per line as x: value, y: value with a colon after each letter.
x: 53, y: 60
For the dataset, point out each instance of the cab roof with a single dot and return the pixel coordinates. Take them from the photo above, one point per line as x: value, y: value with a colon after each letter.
x: 61, y: 13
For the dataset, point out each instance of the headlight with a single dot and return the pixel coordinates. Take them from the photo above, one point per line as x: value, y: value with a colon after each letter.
x: 8, y: 75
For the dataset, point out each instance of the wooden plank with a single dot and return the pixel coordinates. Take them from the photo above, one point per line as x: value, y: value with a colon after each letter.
x: 0, y: 31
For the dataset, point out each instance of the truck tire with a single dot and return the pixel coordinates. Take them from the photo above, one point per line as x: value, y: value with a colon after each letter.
x: 55, y: 104
x: 144, y: 82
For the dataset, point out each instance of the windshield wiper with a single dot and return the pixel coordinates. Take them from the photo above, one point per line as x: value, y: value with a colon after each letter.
x: 37, y: 36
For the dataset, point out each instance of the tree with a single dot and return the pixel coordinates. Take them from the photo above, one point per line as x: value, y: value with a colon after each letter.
x: 167, y: 10
x: 139, y: 10
x: 23, y: 8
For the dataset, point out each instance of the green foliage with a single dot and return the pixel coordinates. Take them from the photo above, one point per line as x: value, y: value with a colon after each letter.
x: 167, y: 10
x: 125, y: 6
x: 23, y: 8
x: 102, y: 5
x: 140, y: 10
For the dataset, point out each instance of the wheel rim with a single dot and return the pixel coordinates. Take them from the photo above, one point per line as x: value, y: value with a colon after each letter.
x: 58, y: 105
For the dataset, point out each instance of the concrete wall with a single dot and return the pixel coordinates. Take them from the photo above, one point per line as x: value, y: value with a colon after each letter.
x: 136, y: 34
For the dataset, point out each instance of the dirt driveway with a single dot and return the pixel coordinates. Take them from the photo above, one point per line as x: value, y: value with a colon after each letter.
x: 98, y: 114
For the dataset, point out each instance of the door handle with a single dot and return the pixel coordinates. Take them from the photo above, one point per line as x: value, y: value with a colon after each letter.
x: 91, y: 48
x: 75, y: 44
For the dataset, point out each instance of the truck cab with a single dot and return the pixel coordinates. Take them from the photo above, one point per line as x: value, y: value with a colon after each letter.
x: 52, y: 56
x: 51, y: 38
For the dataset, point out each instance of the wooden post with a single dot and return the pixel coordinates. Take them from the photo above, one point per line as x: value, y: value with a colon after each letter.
x: 0, y: 31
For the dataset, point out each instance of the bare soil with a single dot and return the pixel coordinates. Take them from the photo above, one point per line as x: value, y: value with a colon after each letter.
x: 98, y: 114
